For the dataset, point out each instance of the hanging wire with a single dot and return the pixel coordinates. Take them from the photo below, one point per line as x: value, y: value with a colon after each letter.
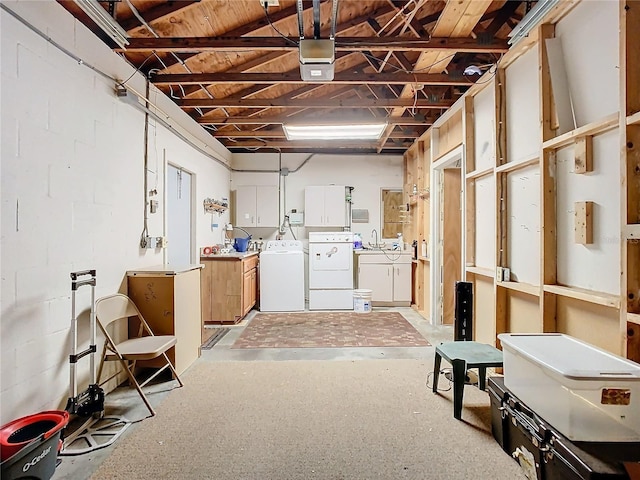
x: 266, y: 15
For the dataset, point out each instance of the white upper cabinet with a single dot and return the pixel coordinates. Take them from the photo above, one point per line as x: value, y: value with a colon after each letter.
x: 256, y: 206
x: 325, y: 206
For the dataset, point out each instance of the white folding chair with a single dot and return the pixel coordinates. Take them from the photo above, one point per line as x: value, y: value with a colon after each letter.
x: 144, y: 346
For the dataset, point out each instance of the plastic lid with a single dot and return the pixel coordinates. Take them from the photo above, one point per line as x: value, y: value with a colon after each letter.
x: 570, y: 357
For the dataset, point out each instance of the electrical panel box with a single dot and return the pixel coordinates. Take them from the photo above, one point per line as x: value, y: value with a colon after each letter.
x: 296, y: 218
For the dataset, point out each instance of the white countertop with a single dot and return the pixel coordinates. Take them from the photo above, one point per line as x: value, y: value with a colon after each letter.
x: 377, y: 251
x: 163, y: 269
x: 226, y: 256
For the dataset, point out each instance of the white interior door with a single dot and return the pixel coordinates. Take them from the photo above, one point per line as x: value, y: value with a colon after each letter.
x: 179, y: 211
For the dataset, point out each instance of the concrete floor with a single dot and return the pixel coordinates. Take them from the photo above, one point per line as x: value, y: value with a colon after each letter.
x: 126, y: 402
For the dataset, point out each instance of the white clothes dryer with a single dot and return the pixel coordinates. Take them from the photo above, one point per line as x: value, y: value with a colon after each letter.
x: 330, y: 271
x: 282, y: 276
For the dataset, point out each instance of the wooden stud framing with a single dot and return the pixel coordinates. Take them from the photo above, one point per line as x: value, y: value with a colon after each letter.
x: 470, y: 165
x: 548, y: 241
x: 583, y: 156
x: 630, y: 197
x: 583, y: 226
x: 547, y: 110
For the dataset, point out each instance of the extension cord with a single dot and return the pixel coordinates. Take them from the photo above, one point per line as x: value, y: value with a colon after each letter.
x: 471, y: 377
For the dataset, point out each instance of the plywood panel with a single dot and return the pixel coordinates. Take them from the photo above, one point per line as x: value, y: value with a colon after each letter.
x: 450, y: 134
x: 523, y: 224
x: 485, y: 232
x: 524, y: 313
x: 523, y: 107
x: 594, y: 266
x: 591, y: 60
x: 483, y: 311
x: 393, y: 205
x: 452, y: 241
x: 485, y: 128
x: 594, y: 324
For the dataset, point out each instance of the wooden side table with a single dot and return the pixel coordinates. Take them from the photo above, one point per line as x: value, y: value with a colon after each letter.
x: 462, y: 356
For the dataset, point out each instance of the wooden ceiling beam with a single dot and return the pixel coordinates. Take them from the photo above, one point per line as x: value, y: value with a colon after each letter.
x: 344, y: 78
x: 315, y: 144
x: 280, y: 134
x: 280, y: 119
x: 345, y: 44
x: 288, y: 102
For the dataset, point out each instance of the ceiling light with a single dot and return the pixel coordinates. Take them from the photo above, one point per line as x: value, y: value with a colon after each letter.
x: 531, y: 20
x: 367, y: 131
x: 103, y: 20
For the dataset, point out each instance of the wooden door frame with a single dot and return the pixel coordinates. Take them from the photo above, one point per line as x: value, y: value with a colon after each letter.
x: 449, y: 160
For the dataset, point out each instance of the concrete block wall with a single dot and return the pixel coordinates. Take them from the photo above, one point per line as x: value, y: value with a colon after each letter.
x: 73, y: 193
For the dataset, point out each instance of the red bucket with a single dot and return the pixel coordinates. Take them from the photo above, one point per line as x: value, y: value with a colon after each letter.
x: 19, y: 433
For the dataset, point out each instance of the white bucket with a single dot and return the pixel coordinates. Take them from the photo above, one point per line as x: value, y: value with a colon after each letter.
x: 362, y: 300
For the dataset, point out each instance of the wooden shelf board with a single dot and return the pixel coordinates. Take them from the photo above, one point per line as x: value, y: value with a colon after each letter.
x: 485, y: 272
x: 633, y: 119
x: 424, y: 259
x: 479, y: 173
x: 607, y: 123
x: 633, y: 318
x: 599, y: 298
x: 508, y: 167
x: 527, y: 288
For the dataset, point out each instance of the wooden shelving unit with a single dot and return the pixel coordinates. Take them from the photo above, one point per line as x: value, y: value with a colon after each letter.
x: 489, y: 169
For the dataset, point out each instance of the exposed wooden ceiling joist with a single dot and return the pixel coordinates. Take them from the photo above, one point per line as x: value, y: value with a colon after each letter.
x: 340, y: 78
x: 312, y: 103
x: 344, y: 44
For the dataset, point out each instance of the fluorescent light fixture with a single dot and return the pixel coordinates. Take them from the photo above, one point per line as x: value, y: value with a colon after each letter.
x: 103, y: 20
x: 366, y: 131
x: 531, y: 20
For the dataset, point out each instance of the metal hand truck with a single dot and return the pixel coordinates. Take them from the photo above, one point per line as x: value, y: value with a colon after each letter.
x: 98, y: 431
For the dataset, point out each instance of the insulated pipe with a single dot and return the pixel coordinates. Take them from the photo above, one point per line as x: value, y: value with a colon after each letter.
x: 316, y: 19
x: 300, y: 8
x: 334, y: 19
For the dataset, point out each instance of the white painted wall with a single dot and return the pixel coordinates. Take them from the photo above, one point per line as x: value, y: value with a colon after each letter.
x: 485, y: 128
x: 72, y: 193
x: 523, y: 107
x: 578, y: 263
x: 523, y: 224
x: 367, y: 173
x: 485, y: 228
x: 589, y: 36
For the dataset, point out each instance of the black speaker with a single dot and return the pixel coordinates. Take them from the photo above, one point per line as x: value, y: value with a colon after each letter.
x: 464, y: 312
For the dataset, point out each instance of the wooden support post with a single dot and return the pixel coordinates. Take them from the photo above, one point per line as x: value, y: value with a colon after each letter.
x: 470, y: 163
x: 583, y: 223
x: 548, y: 130
x: 583, y: 157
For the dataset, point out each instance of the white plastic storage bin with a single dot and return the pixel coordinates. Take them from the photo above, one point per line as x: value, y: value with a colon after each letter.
x: 586, y: 393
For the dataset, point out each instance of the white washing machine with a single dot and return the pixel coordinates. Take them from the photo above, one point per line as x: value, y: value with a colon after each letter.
x: 282, y: 276
x: 330, y: 271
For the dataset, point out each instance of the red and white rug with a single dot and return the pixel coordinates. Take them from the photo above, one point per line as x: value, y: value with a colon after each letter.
x: 329, y: 329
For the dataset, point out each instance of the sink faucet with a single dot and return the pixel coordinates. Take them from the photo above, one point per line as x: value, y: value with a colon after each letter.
x: 374, y: 234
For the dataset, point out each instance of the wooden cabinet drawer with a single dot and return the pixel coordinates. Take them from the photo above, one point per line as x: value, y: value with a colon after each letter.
x: 249, y: 263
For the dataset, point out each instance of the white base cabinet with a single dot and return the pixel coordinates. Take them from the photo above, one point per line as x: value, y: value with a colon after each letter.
x: 387, y: 275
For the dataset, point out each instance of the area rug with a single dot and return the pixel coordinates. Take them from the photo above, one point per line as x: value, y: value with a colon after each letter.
x: 329, y: 329
x: 215, y: 338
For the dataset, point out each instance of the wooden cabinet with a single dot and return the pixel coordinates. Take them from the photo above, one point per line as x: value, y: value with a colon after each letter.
x: 229, y: 287
x: 169, y: 300
x: 257, y: 206
x: 388, y: 275
x: 324, y: 206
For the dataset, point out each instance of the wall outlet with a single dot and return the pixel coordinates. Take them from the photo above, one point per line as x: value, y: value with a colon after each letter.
x: 161, y: 242
x: 149, y: 242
